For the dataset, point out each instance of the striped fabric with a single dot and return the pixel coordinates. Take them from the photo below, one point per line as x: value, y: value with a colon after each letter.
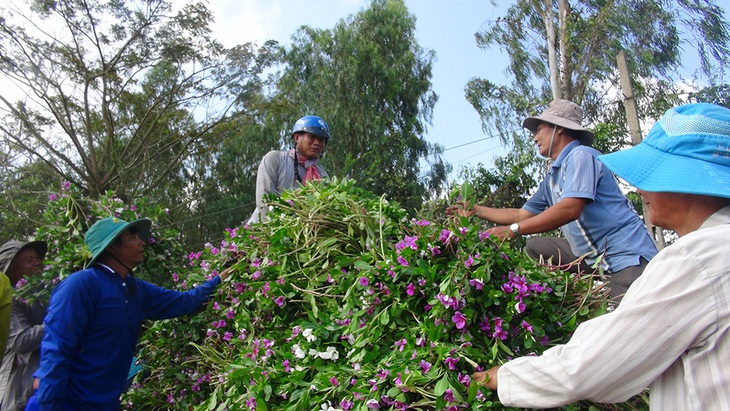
x: 671, y: 333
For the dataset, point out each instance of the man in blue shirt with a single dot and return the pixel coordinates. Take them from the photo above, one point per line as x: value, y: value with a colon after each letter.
x: 94, y: 318
x: 580, y: 196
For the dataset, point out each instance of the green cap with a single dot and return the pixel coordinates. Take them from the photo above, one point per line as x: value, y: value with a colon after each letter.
x: 104, y: 231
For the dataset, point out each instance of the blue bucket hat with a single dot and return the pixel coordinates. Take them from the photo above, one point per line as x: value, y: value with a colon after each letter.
x: 104, y: 231
x: 687, y: 151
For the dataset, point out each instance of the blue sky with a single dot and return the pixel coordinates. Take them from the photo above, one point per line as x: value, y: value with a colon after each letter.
x: 447, y: 27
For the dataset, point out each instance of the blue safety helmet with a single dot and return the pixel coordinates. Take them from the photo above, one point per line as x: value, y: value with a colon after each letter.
x: 313, y: 125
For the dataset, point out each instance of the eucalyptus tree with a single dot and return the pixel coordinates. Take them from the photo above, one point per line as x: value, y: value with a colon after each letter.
x: 567, y: 49
x: 117, y: 95
x: 371, y: 81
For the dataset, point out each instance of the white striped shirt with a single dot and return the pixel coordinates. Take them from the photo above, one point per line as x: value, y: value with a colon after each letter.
x: 671, y: 332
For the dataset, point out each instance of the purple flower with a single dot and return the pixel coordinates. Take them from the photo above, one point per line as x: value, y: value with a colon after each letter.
x: 52, y: 197
x: 364, y: 281
x: 451, y: 362
x: 526, y: 326
x: 448, y: 301
x: 227, y: 336
x: 484, y: 325
x: 279, y: 300
x: 421, y: 223
x: 251, y: 403
x: 459, y: 320
x: 463, y: 230
x: 521, y: 307
x: 65, y: 185
x: 334, y: 381
x: 469, y: 261
x: 410, y: 289
x: 498, y: 331
x: 425, y: 366
x: 400, y: 344
x: 407, y: 242
x: 464, y: 379
x: 402, y: 261
x: 449, y: 395
x: 285, y: 363
x: 346, y: 405
x: 476, y: 283
x: 445, y: 235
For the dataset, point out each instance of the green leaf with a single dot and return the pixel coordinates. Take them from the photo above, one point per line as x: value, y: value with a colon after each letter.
x: 441, y: 386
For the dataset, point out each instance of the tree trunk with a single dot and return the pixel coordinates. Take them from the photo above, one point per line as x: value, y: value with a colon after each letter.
x: 552, y: 53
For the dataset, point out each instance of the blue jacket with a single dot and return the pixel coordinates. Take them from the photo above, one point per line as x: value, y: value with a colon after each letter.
x: 91, y: 332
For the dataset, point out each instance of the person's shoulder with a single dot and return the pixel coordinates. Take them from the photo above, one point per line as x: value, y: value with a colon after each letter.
x: 580, y: 151
x: 81, y: 278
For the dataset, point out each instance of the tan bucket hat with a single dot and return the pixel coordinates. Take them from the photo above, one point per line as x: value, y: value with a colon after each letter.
x: 562, y: 113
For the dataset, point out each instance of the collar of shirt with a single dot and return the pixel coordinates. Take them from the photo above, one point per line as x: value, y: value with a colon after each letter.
x: 559, y: 161
x: 719, y: 217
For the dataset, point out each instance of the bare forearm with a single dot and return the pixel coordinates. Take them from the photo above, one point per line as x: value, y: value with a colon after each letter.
x: 502, y: 216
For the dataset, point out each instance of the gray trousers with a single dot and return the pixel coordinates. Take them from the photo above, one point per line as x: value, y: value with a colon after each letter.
x: 556, y: 251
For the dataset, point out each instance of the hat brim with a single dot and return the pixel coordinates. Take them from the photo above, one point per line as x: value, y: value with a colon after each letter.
x: 586, y: 137
x: 40, y: 247
x: 649, y: 169
x: 143, y: 225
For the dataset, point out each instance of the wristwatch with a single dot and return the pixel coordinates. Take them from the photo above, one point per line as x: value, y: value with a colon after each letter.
x: 515, y: 228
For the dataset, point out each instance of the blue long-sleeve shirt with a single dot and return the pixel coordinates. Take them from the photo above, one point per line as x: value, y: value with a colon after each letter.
x: 91, y: 332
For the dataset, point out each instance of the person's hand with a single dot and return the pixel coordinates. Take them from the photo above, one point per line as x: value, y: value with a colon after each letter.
x: 225, y: 273
x: 460, y: 209
x: 487, y: 379
x: 502, y: 232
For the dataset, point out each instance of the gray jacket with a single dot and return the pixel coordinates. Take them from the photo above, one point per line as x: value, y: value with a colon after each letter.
x: 276, y: 173
x: 23, y: 354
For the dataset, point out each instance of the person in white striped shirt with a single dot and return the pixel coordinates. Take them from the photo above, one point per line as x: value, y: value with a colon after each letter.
x: 671, y: 332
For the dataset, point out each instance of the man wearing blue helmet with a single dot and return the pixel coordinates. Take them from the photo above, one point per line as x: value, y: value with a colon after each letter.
x: 671, y: 332
x: 284, y: 170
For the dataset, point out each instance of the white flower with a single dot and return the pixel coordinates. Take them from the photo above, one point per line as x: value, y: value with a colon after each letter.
x: 330, y: 354
x: 307, y: 333
x: 328, y: 407
x: 313, y: 353
x: 297, y: 351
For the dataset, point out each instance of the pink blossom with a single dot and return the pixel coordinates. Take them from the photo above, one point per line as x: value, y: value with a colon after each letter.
x: 451, y: 363
x: 459, y: 320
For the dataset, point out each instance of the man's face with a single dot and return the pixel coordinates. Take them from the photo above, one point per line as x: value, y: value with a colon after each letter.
x: 665, y: 209
x: 310, y: 145
x: 25, y: 264
x: 129, y: 250
x: 542, y: 137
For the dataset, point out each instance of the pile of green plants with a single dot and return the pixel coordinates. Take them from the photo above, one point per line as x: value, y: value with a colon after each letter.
x: 341, y: 302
